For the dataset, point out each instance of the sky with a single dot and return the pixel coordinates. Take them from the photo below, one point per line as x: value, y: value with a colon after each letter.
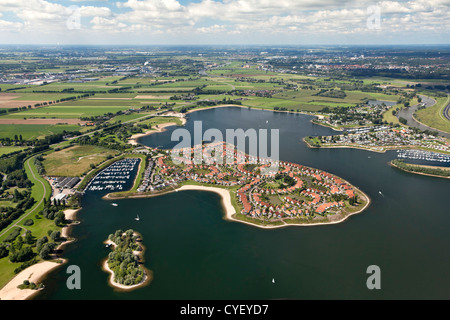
x: 224, y: 22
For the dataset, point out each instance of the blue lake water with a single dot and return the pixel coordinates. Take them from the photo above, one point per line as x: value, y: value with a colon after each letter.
x: 195, y: 254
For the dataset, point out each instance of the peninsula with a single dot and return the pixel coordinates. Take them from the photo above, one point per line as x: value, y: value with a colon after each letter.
x: 252, y: 193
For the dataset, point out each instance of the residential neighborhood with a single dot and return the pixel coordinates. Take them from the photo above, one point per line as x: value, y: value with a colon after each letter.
x: 293, y: 191
x: 387, y: 137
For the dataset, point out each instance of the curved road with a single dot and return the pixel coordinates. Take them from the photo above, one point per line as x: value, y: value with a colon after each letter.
x: 408, y: 114
x: 36, y: 205
x: 447, y: 112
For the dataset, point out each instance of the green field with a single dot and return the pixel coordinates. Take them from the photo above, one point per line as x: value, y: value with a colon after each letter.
x: 66, y: 112
x: 433, y: 117
x: 130, y: 117
x: 33, y: 131
x: 76, y: 160
x: 389, y: 117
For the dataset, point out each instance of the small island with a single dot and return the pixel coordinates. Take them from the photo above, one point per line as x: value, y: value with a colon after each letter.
x: 125, y: 261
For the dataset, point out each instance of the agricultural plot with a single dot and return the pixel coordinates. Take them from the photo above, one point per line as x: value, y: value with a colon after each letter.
x: 20, y: 100
x: 308, y: 100
x: 33, y: 131
x: 76, y: 160
x: 66, y: 111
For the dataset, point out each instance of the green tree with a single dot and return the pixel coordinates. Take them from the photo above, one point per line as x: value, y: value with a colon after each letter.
x: 55, y: 235
x: 46, y: 250
x: 41, y: 242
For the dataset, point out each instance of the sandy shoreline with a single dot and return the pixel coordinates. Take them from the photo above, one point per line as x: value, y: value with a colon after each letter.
x: 36, y: 272
x: 230, y: 211
x: 117, y: 285
x: 224, y: 193
x: 133, y: 139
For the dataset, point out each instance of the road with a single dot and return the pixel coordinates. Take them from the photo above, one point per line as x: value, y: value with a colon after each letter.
x: 446, y: 112
x: 408, y: 113
x: 33, y: 209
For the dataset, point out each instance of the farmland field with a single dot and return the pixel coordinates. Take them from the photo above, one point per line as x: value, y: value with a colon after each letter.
x: 33, y: 131
x: 76, y: 160
x: 66, y: 111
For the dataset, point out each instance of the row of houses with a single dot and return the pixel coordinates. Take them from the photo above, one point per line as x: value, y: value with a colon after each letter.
x: 146, y: 179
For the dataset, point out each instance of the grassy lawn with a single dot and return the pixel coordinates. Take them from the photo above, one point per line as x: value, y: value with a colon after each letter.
x: 41, y: 188
x: 432, y: 116
x: 389, y: 117
x: 76, y: 160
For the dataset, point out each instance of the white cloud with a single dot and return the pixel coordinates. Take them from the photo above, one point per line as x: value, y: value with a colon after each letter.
x: 238, y: 17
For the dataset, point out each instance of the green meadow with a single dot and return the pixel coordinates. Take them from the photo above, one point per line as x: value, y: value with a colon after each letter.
x: 33, y: 131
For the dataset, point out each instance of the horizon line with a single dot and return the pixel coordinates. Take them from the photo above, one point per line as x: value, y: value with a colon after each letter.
x: 224, y: 45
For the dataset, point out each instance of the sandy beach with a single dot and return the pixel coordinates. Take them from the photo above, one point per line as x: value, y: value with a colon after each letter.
x: 36, y: 272
x: 230, y: 211
x: 224, y: 193
x: 117, y: 285
x: 121, y: 286
x: 133, y: 139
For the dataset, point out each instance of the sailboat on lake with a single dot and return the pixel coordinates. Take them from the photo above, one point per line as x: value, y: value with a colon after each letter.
x: 137, y: 218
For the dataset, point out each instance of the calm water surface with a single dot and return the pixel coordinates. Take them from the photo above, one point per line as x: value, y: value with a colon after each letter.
x: 195, y: 254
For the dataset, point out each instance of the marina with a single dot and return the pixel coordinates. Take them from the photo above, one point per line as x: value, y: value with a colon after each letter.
x: 114, y: 177
x: 424, y: 156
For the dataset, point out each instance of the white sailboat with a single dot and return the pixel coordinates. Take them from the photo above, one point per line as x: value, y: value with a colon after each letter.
x: 115, y: 204
x: 273, y: 280
x: 137, y: 218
